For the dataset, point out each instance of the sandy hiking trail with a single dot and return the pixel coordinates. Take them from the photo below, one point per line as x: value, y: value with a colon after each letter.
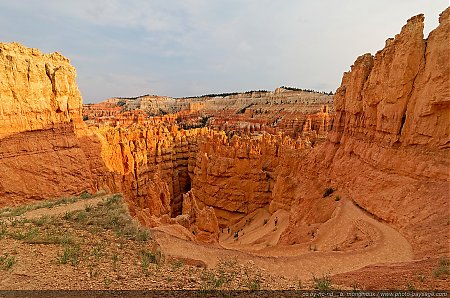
x: 258, y: 237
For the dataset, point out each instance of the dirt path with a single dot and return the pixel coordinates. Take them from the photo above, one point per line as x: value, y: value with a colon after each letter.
x: 62, y: 209
x: 382, y: 244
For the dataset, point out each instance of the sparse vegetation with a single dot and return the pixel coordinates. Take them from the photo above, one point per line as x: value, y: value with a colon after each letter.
x: 110, y: 215
x: 177, y: 264
x: 265, y: 221
x: 443, y: 268
x: 85, y: 195
x: 410, y: 287
x: 26, y: 235
x: 254, y: 284
x: 17, y: 211
x: 328, y: 191
x: 337, y: 198
x: 115, y: 259
x: 147, y: 258
x: 39, y: 221
x: 421, y: 278
x: 98, y: 251
x: 230, y: 275
x: 70, y: 254
x: 212, y: 281
x: 322, y: 283
x: 3, y: 229
x: 6, y: 262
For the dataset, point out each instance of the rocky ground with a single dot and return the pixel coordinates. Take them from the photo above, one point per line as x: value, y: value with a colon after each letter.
x: 93, y: 243
x: 101, y: 247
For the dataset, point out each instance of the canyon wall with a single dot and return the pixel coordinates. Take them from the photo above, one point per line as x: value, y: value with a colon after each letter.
x: 389, y: 145
x: 237, y: 175
x: 42, y: 135
x: 387, y: 150
x: 37, y: 91
x: 150, y: 165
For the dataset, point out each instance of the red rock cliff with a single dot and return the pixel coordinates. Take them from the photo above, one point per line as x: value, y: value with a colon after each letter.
x: 37, y: 91
x: 389, y: 144
x: 41, y: 133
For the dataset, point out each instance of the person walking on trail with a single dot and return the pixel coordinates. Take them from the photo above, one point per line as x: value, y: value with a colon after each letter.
x: 276, y: 221
x: 236, y: 235
x: 228, y: 230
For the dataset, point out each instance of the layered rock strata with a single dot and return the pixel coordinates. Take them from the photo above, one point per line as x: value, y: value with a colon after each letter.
x: 389, y: 145
x: 237, y: 175
x: 151, y: 165
x: 42, y: 135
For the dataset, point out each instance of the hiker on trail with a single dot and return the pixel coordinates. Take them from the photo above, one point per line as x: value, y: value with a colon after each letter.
x: 276, y: 221
x: 228, y: 230
x: 236, y: 235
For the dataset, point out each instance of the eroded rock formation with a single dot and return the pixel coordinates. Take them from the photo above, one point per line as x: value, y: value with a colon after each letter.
x: 150, y: 164
x: 389, y: 145
x: 237, y: 175
x: 292, y: 112
x: 42, y: 136
x: 38, y: 91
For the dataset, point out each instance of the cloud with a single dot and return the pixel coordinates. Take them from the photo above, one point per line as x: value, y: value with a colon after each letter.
x: 186, y: 47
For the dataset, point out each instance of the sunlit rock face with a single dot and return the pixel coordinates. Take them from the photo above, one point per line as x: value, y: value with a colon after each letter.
x: 42, y: 135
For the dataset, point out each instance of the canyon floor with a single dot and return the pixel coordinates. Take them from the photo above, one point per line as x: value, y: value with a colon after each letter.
x: 93, y: 243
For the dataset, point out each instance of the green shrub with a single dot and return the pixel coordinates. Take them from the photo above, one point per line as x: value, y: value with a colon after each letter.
x: 322, y: 283
x: 147, y: 258
x: 85, y: 195
x: 211, y: 281
x: 3, y: 230
x: 254, y: 284
x: 6, y: 262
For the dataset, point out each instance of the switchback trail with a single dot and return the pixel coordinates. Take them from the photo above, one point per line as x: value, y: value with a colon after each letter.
x: 382, y: 244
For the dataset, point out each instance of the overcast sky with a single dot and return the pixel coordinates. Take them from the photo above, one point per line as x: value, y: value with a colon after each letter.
x: 192, y: 47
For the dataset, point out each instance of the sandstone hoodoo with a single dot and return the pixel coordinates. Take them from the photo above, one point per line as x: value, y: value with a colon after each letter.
x: 298, y: 183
